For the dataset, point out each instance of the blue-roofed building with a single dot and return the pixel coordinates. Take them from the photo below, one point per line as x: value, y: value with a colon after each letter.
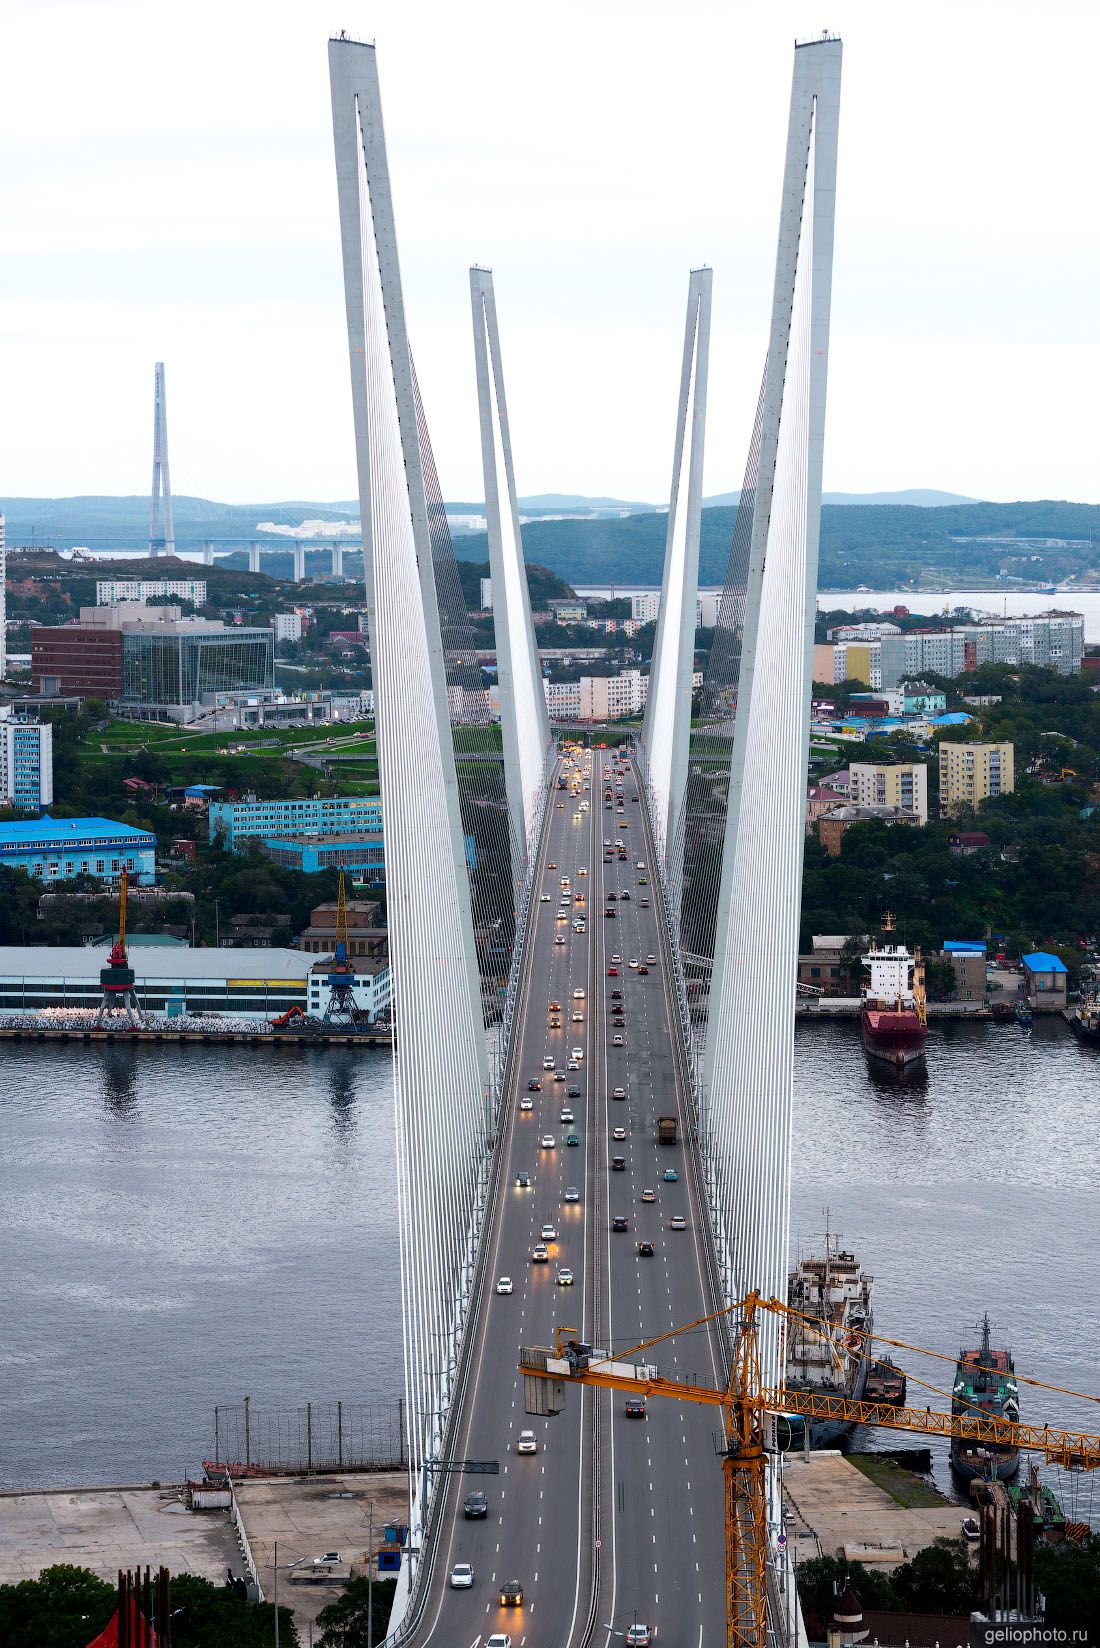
x: 238, y: 822
x: 56, y: 849
x: 954, y: 718
x: 964, y: 946
x: 1046, y: 979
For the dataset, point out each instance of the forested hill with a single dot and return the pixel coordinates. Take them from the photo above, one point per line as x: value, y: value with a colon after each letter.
x: 877, y: 545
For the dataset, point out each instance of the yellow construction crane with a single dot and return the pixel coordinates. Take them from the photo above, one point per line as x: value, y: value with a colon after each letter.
x: 749, y: 1413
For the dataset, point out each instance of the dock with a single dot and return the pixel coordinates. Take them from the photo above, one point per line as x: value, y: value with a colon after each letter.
x: 336, y: 1037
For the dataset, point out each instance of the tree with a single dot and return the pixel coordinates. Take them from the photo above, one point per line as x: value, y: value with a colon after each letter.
x: 65, y: 1607
x: 939, y: 1580
x: 344, y: 1622
x: 1069, y: 1577
x: 213, y: 1616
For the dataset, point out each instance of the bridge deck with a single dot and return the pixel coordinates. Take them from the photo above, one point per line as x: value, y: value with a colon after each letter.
x: 649, y: 1490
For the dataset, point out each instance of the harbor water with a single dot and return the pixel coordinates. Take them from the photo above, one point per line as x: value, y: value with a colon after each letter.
x: 181, y: 1226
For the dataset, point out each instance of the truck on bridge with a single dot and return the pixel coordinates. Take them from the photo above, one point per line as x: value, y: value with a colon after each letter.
x: 666, y: 1129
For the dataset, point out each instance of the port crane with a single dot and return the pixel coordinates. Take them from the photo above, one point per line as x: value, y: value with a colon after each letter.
x: 749, y: 1413
x: 342, y: 1006
x: 116, y: 980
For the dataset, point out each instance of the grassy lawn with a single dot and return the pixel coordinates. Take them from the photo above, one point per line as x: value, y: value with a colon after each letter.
x: 903, y: 1486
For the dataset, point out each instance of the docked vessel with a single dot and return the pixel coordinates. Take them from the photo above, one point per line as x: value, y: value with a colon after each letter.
x: 893, y: 1020
x: 985, y: 1384
x: 828, y: 1342
x: 886, y: 1384
x: 1084, y: 1020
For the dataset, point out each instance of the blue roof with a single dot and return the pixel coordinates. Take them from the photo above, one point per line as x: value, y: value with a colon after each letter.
x: 60, y: 830
x: 1040, y: 961
x: 960, y: 945
x: 956, y: 718
x: 202, y: 789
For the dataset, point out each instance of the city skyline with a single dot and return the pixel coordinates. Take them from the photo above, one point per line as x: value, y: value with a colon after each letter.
x: 590, y: 166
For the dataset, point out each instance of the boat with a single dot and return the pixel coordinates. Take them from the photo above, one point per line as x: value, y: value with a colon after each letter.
x: 1024, y: 1016
x: 893, y: 1020
x: 1084, y: 1020
x: 985, y: 1385
x: 886, y: 1384
x: 828, y: 1342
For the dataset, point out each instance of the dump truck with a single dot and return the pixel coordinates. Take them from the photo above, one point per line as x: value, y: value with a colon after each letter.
x: 666, y: 1129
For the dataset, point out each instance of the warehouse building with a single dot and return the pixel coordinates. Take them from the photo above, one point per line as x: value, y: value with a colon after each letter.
x: 56, y: 849
x: 239, y: 983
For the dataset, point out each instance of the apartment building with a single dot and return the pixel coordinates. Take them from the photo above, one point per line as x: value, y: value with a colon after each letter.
x: 109, y: 591
x: 898, y: 784
x: 971, y: 773
x: 26, y: 764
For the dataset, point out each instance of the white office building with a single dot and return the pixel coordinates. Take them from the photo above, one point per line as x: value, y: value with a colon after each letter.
x: 26, y: 764
x: 287, y: 626
x: 109, y: 591
x: 597, y: 697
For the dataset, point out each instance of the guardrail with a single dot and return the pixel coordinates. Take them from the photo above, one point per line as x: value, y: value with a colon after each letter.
x: 242, y: 1539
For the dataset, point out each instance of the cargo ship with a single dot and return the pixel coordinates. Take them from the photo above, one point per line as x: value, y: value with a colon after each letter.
x: 828, y: 1351
x: 985, y: 1383
x: 893, y: 1020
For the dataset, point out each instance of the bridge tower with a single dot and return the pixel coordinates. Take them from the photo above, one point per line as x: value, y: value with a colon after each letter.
x: 162, y: 537
x: 441, y: 1077
x: 525, y: 721
x: 666, y: 729
x: 747, y: 1079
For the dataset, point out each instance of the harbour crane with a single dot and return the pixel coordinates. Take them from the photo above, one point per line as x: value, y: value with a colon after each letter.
x: 342, y: 1006
x: 749, y: 1414
x: 116, y: 980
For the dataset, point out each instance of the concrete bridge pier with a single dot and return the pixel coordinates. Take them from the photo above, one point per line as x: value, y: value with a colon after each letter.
x: 337, y: 560
x: 253, y: 557
x: 299, y: 562
x: 208, y: 553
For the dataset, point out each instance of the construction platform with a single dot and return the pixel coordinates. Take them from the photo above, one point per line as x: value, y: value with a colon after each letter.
x: 832, y: 1509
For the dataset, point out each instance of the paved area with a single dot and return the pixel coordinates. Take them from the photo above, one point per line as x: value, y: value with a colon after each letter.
x: 308, y: 1515
x: 106, y: 1529
x: 838, y: 1512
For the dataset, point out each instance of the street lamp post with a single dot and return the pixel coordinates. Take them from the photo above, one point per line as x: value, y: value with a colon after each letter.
x: 275, y: 1566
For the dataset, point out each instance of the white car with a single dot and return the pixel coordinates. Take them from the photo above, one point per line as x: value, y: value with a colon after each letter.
x: 633, y: 962
x: 577, y: 1017
x: 527, y: 1442
x: 549, y: 1233
x: 539, y: 1255
x: 548, y: 1063
x: 504, y: 1284
x: 618, y: 1133
x: 462, y: 1576
x: 678, y: 1222
x: 651, y: 961
x: 616, y: 958
x: 617, y: 1040
x: 565, y: 1278
x: 637, y: 1636
x: 567, y: 1114
x: 577, y: 1053
x: 560, y: 939
x: 572, y: 1194
x: 499, y: 1639
x: 545, y: 899
x: 327, y: 1559
x: 578, y: 995
x: 619, y: 1093
x: 548, y: 1141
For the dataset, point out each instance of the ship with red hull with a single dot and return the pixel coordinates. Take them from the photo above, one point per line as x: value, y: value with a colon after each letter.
x: 893, y: 1019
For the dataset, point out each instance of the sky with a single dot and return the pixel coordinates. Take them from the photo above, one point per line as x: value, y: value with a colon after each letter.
x: 167, y: 192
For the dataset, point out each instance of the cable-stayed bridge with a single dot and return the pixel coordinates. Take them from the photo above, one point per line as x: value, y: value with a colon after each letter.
x: 582, y: 943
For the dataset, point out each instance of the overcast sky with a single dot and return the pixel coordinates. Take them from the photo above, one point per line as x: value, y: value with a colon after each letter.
x: 167, y: 191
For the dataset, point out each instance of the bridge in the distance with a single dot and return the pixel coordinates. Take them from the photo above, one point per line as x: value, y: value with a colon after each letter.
x: 583, y: 941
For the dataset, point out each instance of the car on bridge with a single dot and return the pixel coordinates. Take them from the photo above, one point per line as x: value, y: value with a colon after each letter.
x: 565, y: 1278
x: 549, y: 1233
x: 649, y: 1195
x: 637, y: 1636
x: 504, y: 1284
x: 671, y: 1175
x: 625, y: 894
x: 635, y: 1407
x: 572, y: 1194
x: 523, y: 1181
x: 499, y: 1639
x: 548, y: 1062
x: 578, y: 994
x: 534, y: 1085
x: 633, y: 962
x: 612, y: 972
x: 643, y: 970
x: 616, y: 995
x: 618, y: 1164
x: 566, y: 1115
x: 572, y: 1138
x: 652, y: 960
x: 677, y: 1222
x: 475, y: 1507
x: 539, y: 1255
x: 644, y: 902
x: 527, y: 1442
x: 577, y: 1017
x: 618, y: 1022
x: 645, y: 1250
x: 511, y: 1594
x: 618, y: 1133
x: 617, y: 1040
x: 615, y: 956
x: 619, y: 1093
x: 560, y: 939
x: 462, y: 1577
x: 548, y: 1141
x: 559, y: 1075
x: 620, y: 1222
x: 574, y: 1093
x: 527, y: 1104
x: 545, y: 898
x: 611, y: 913
x: 611, y: 897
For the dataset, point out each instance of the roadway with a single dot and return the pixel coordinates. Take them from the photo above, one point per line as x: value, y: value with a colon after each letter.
x: 614, y: 1517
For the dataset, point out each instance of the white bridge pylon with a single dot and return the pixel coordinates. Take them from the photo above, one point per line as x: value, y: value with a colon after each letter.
x: 525, y: 722
x: 667, y: 726
x: 440, y: 1058
x: 748, y: 1073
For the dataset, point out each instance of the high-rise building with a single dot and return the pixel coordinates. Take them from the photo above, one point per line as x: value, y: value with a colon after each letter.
x: 897, y: 784
x: 26, y: 764
x: 287, y: 626
x: 645, y: 606
x: 971, y: 773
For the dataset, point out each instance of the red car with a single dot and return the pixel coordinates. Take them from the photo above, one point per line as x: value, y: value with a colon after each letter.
x: 612, y: 972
